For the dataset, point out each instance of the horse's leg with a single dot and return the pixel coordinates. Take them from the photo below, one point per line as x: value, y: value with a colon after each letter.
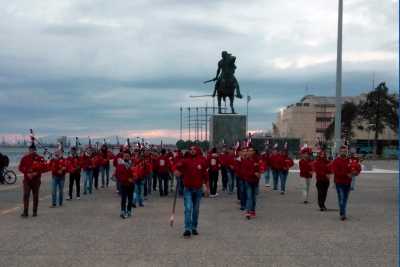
x: 219, y: 104
x: 231, y: 103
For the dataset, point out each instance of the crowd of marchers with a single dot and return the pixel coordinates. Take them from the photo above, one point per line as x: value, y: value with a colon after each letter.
x: 193, y: 174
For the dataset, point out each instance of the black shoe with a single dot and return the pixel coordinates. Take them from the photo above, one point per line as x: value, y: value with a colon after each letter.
x: 305, y: 202
x: 322, y: 209
x: 24, y: 215
x: 187, y: 234
x: 134, y: 205
x: 343, y: 217
x: 34, y: 214
x: 194, y: 232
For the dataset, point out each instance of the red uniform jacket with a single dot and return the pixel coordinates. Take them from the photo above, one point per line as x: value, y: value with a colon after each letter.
x: 341, y: 170
x: 305, y: 168
x: 86, y: 162
x: 213, y: 162
x: 249, y: 168
x: 194, y: 171
x: 123, y: 174
x: 276, y: 161
x: 237, y: 167
x: 74, y: 164
x: 141, y: 169
x: 32, y: 163
x: 58, y: 167
x: 163, y: 164
x: 355, y: 166
x: 321, y: 168
x: 224, y: 159
x: 287, y: 162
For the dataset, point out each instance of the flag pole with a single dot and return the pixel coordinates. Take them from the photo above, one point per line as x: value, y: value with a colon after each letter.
x: 338, y: 116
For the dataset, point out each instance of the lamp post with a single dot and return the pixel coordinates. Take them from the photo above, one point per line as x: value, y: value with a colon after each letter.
x: 338, y: 116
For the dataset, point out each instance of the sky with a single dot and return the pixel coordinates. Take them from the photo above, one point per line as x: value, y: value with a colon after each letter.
x: 107, y: 68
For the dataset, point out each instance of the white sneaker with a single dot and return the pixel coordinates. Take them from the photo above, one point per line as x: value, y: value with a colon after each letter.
x: 267, y: 185
x: 78, y: 198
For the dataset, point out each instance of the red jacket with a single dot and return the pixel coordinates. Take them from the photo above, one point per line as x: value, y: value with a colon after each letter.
x: 163, y: 164
x: 321, y: 168
x: 86, y: 162
x: 355, y: 166
x: 58, y: 167
x: 224, y: 159
x: 141, y: 169
x: 213, y: 162
x: 276, y: 161
x: 32, y: 163
x: 237, y: 167
x: 287, y: 162
x: 194, y: 171
x: 341, y: 170
x: 123, y: 174
x: 73, y: 164
x: 305, y: 168
x: 249, y: 168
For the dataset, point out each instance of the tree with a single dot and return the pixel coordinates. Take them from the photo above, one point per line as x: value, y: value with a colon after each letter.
x: 349, y: 118
x: 379, y: 110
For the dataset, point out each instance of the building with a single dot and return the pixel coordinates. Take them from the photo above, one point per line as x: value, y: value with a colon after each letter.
x: 309, y: 118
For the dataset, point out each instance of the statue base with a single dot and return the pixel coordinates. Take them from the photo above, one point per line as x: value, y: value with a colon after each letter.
x: 227, y: 129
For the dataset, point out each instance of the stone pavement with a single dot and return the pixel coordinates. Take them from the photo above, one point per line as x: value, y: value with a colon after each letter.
x: 286, y: 232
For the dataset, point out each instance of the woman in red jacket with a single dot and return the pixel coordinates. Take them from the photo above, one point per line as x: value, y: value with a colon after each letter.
x: 213, y: 171
x: 124, y: 176
x: 305, y: 165
x: 287, y: 163
x: 355, y: 167
x: 251, y: 177
x: 321, y: 167
x: 342, y: 174
x: 58, y: 167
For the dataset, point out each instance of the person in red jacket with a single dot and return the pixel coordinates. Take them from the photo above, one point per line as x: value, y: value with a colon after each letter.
x: 32, y: 166
x: 74, y: 169
x: 250, y: 175
x: 355, y: 167
x: 163, y: 169
x: 342, y: 176
x: 213, y: 171
x: 224, y: 161
x: 275, y: 164
x: 87, y: 166
x: 194, y: 172
x: 321, y: 167
x: 124, y: 175
x: 286, y: 164
x: 97, y: 161
x: 305, y: 165
x: 58, y: 167
x: 141, y: 170
x: 106, y: 155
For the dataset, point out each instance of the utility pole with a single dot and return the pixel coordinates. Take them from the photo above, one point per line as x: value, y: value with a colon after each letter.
x: 338, y: 117
x: 180, y: 133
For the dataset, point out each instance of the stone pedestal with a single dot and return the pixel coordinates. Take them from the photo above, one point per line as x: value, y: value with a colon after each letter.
x: 227, y: 128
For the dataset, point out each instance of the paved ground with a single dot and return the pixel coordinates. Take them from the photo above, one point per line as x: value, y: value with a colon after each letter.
x: 286, y: 232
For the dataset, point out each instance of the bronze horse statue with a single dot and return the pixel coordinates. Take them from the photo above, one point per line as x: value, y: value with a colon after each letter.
x: 225, y: 81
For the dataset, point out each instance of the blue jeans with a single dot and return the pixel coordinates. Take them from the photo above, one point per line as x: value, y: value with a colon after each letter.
x: 242, y: 193
x: 231, y: 180
x: 353, y: 182
x: 105, y: 175
x: 275, y: 177
x: 139, y: 189
x: 343, y: 191
x: 88, y: 181
x: 267, y: 176
x: 191, y: 200
x: 57, y: 185
x: 251, y: 192
x: 283, y: 177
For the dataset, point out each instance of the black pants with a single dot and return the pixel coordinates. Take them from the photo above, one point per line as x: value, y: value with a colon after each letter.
x: 75, y: 177
x: 96, y: 172
x: 322, y: 187
x: 28, y: 186
x: 163, y: 183
x: 126, y: 192
x: 155, y: 178
x: 224, y: 174
x: 213, y: 176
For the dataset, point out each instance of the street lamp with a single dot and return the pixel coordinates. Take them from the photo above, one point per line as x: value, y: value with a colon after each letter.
x: 338, y: 116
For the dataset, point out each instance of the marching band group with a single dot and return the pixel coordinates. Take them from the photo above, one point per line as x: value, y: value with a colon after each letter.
x: 138, y: 171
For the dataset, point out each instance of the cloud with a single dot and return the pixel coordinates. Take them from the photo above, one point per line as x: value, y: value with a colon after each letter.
x: 81, y: 67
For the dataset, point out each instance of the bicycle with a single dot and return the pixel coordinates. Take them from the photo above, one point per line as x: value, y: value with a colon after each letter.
x: 8, y: 176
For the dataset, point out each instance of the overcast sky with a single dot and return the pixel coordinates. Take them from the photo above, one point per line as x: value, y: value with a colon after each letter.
x: 104, y: 68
